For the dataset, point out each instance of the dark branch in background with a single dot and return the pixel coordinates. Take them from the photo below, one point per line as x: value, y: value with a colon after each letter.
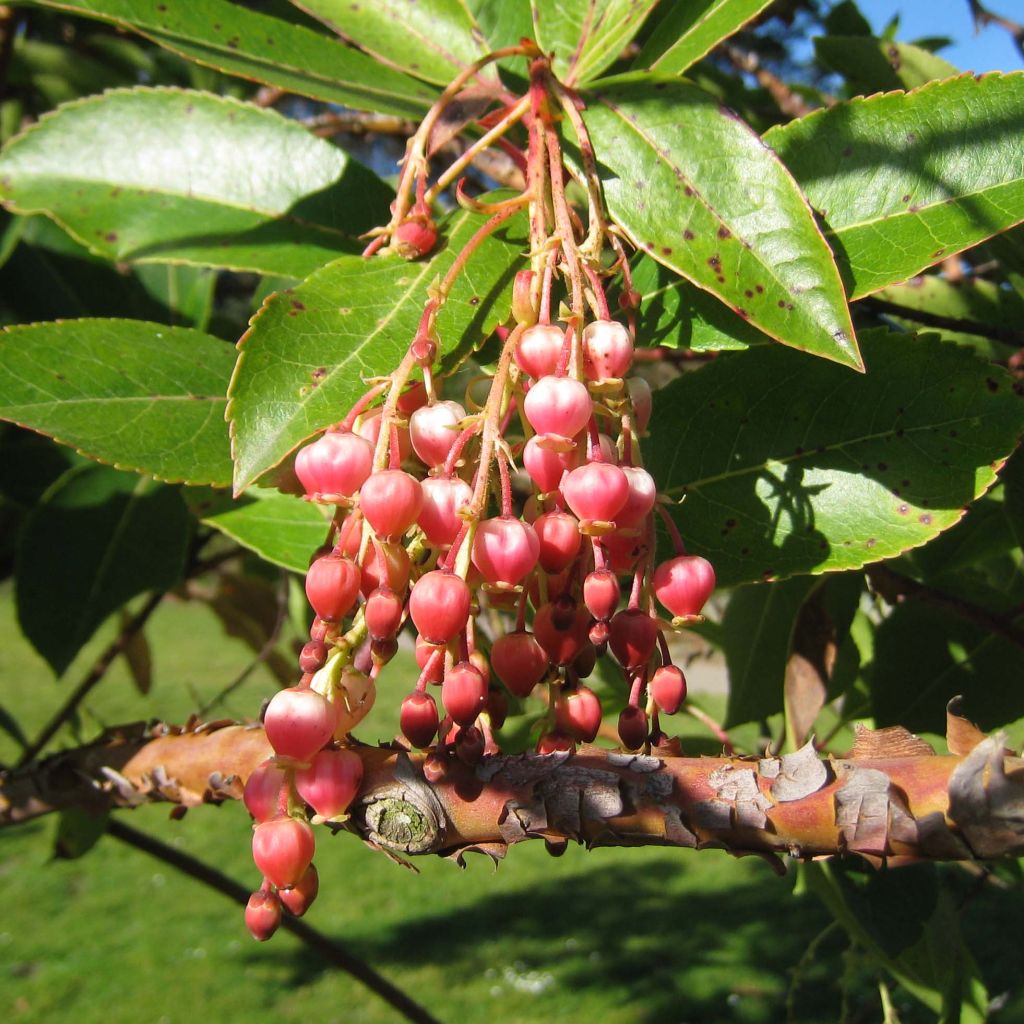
x: 664, y: 354
x: 334, y: 953
x: 894, y: 587
x: 1007, y: 335
x: 984, y: 17
x: 789, y: 102
x: 92, y: 677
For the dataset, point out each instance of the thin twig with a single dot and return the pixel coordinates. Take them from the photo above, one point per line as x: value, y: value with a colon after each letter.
x: 1007, y: 335
x: 984, y: 17
x: 894, y: 587
x: 92, y: 677
x: 333, y: 952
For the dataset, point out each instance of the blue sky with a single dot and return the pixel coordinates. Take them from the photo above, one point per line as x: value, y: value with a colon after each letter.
x: 992, y: 49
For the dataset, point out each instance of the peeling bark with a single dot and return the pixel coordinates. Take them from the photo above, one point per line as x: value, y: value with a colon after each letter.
x: 899, y: 801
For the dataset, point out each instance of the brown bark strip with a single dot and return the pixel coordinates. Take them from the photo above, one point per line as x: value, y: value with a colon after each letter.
x: 898, y: 802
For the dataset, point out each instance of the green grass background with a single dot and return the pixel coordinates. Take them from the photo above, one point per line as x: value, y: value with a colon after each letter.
x: 644, y: 936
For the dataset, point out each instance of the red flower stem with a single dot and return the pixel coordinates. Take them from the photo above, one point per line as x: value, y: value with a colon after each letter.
x: 455, y: 454
x: 416, y: 150
x: 511, y: 118
x: 506, y: 485
x: 395, y: 461
x: 673, y: 530
x: 360, y: 406
x: 600, y: 299
x: 666, y: 654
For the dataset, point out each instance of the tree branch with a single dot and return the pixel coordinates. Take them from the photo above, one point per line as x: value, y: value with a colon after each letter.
x: 894, y: 587
x: 893, y: 797
x: 333, y: 952
x: 983, y: 18
x: 1007, y: 335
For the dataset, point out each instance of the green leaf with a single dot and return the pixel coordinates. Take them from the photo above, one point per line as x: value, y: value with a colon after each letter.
x: 185, y: 292
x: 907, y: 922
x: 303, y: 361
x: 431, y: 39
x: 51, y: 276
x: 876, y: 65
x: 96, y: 539
x: 925, y: 656
x: 141, y: 396
x: 503, y: 23
x: 757, y: 634
x: 889, y: 178
x: 698, y: 190
x: 170, y: 175
x: 689, y: 29
x: 78, y: 831
x: 845, y: 19
x: 281, y: 528
x: 586, y: 36
x: 677, y: 314
x: 789, y: 465
x: 9, y: 725
x: 226, y: 36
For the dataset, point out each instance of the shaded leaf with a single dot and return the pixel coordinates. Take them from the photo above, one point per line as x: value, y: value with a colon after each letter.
x: 845, y: 19
x: 757, y: 633
x: 97, y: 538
x: 876, y: 65
x: 907, y: 922
x: 238, y: 41
x: 690, y: 28
x: 431, y: 39
x: 51, y: 276
x: 789, y: 465
x: 698, y: 191
x: 173, y: 175
x: 586, y: 36
x: 281, y: 528
x: 138, y: 657
x: 503, y: 24
x: 9, y: 724
x: 248, y: 608
x: 186, y: 292
x: 78, y: 831
x: 303, y: 361
x: 925, y: 656
x: 141, y: 396
x: 891, y: 181
x: 678, y: 314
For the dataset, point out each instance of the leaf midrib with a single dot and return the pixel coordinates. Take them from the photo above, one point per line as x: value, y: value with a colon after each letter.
x: 156, y: 32
x: 889, y: 218
x: 51, y: 181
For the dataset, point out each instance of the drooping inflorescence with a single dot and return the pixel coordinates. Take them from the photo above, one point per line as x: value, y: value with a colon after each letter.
x: 533, y: 511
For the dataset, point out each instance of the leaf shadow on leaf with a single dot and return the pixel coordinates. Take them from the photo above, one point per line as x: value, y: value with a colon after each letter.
x: 333, y: 217
x: 786, y: 466
x: 864, y: 161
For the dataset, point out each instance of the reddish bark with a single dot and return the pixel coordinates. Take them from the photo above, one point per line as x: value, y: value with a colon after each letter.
x: 893, y: 797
